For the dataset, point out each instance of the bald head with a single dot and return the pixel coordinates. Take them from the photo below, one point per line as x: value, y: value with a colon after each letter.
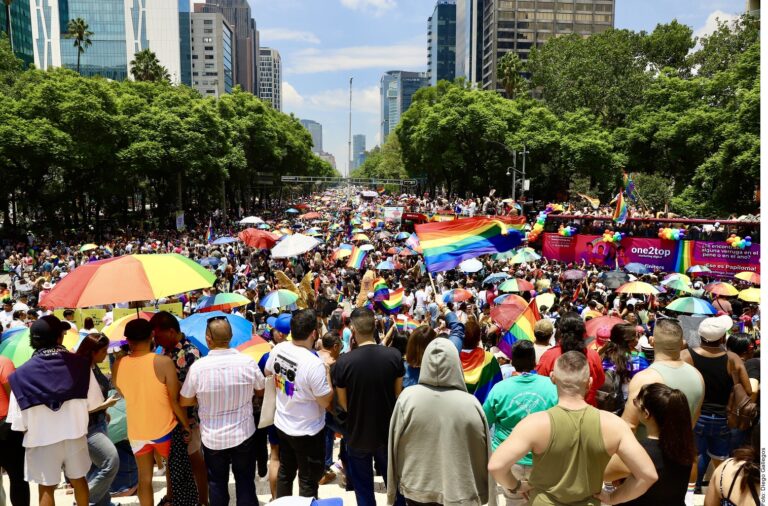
x: 218, y: 333
x: 668, y: 338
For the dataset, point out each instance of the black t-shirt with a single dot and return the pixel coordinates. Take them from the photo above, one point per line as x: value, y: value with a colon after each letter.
x: 672, y: 484
x: 368, y: 374
x: 753, y: 368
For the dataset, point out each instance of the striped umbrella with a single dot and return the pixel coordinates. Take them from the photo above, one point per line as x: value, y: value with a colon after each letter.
x: 691, y: 305
x: 361, y: 237
x: 637, y: 287
x: 18, y: 350
x: 677, y: 275
x: 698, y: 269
x: 510, y: 298
x: 676, y: 284
x: 750, y: 295
x: 751, y: 277
x: 221, y: 302
x: 726, y: 289
x: 115, y: 331
x: 278, y: 298
x: 457, y: 295
x: 256, y: 348
x: 515, y: 285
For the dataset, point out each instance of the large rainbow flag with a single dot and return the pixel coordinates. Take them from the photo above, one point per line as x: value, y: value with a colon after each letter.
x: 357, y: 258
x: 521, y: 330
x: 380, y: 290
x: 447, y: 244
x: 481, y: 372
x: 621, y: 213
x: 395, y: 300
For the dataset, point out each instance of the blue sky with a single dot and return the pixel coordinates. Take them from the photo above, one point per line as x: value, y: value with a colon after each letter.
x: 325, y: 42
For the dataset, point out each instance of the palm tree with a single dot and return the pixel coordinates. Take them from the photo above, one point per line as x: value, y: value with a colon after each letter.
x: 8, y: 21
x: 146, y: 67
x: 77, y: 29
x: 509, y: 72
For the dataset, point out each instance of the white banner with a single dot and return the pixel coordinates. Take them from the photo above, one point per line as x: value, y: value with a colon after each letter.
x: 180, y: 220
x: 393, y: 214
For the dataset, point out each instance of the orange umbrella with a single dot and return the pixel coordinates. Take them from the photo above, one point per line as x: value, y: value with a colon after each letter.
x: 726, y: 289
x: 751, y: 277
x: 260, y: 239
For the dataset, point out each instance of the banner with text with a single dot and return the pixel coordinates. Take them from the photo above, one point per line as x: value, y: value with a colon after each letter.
x: 669, y: 256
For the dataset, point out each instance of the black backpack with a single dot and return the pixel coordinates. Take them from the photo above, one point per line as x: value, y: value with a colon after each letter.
x: 610, y: 396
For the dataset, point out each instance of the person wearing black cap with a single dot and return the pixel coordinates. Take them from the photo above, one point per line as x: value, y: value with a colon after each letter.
x: 51, y: 395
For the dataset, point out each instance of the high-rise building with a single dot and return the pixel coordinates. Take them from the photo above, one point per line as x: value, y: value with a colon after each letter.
x: 469, y: 40
x: 396, y: 91
x: 358, y: 150
x: 521, y: 25
x: 316, y: 131
x: 21, y: 30
x: 328, y: 158
x: 121, y: 28
x: 212, y: 54
x: 270, y: 77
x: 441, y: 42
x: 246, y: 48
x: 185, y: 42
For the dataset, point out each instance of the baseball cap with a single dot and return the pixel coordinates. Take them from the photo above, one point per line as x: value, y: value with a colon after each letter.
x: 281, y: 323
x: 48, y: 327
x: 713, y: 329
x: 543, y: 327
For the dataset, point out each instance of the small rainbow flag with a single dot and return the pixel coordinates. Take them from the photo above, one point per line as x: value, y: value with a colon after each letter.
x: 521, y: 330
x: 447, y: 244
x: 481, y: 372
x: 629, y: 186
x: 406, y: 324
x: 340, y: 299
x: 357, y: 258
x: 209, y: 233
x: 621, y: 212
x: 395, y: 301
x: 380, y: 290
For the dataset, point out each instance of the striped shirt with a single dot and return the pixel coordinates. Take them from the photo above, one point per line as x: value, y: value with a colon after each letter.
x: 224, y: 382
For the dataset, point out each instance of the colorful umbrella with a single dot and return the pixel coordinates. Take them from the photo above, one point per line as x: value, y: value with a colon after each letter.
x: 506, y: 315
x: 256, y: 348
x: 221, y: 302
x: 457, y: 295
x: 697, y: 269
x: 115, y: 331
x: 545, y: 300
x: 637, y: 268
x: 294, y: 245
x: 574, y: 274
x: 677, y: 275
x: 18, y: 350
x: 637, y: 287
x: 524, y: 255
x: 601, y: 322
x: 402, y: 235
x: 386, y: 265
x: 88, y: 247
x: 676, y: 284
x: 259, y: 239
x: 194, y: 328
x: 361, y: 237
x: 691, y: 305
x: 310, y: 216
x: 751, y: 277
x: 750, y: 295
x: 278, y: 298
x: 394, y: 250
x: 726, y: 289
x: 516, y: 285
x: 506, y: 255
x: 496, y: 277
x: 510, y: 298
x: 128, y: 278
x: 341, y: 253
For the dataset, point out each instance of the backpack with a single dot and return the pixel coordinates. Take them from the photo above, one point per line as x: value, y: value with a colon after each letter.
x: 610, y: 396
x: 741, y: 412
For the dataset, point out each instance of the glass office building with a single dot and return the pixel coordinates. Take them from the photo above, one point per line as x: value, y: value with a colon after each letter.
x: 227, y: 60
x: 396, y: 89
x: 185, y: 44
x: 469, y: 37
x: 21, y: 30
x: 441, y: 42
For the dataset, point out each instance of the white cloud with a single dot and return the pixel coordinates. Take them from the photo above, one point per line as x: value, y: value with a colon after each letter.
x: 401, y: 57
x: 275, y: 34
x: 378, y: 6
x: 291, y: 98
x: 710, y: 25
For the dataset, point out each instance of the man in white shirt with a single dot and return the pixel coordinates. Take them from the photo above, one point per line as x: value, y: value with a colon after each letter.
x: 6, y: 315
x: 222, y: 384
x: 303, y: 388
x: 51, y: 396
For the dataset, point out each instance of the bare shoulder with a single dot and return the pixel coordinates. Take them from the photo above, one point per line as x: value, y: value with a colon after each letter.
x: 645, y: 377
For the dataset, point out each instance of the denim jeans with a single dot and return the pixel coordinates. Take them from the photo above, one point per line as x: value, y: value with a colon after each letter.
x: 242, y: 458
x: 712, y: 441
x: 305, y: 454
x: 362, y: 464
x: 128, y: 474
x: 106, y: 464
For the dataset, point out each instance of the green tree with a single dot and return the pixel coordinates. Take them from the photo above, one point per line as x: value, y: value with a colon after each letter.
x: 721, y: 48
x: 146, y: 67
x: 77, y: 30
x: 653, y: 190
x: 10, y: 66
x: 384, y: 163
x: 509, y: 72
x: 668, y: 46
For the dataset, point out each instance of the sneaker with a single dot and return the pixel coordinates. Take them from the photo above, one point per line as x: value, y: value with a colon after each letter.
x: 328, y: 477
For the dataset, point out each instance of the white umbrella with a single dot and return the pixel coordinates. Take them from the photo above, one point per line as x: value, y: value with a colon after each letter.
x: 294, y: 245
x: 251, y: 220
x: 366, y: 247
x: 471, y: 265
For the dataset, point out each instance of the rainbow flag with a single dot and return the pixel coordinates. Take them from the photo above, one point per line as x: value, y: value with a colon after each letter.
x: 621, y: 212
x: 521, y: 330
x: 395, y: 301
x: 209, y: 233
x: 357, y: 258
x: 684, y: 256
x: 447, y: 244
x: 629, y: 186
x: 406, y: 324
x: 340, y: 298
x: 481, y: 372
x: 380, y: 290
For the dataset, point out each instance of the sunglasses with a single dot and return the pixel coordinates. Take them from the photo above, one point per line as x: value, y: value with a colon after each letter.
x: 213, y: 319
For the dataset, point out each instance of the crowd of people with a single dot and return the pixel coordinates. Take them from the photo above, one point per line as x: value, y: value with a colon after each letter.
x: 446, y: 408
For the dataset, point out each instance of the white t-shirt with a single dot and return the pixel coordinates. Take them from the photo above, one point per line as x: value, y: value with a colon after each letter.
x: 300, y: 378
x: 421, y: 298
x: 45, y: 427
x: 6, y: 317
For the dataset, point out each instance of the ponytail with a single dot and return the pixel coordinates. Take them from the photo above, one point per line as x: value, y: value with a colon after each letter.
x: 669, y: 408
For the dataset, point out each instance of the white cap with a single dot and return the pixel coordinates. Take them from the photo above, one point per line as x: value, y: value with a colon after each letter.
x: 713, y: 329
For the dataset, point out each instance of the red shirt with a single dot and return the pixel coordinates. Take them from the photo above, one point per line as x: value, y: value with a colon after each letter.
x: 6, y: 368
x: 547, y: 365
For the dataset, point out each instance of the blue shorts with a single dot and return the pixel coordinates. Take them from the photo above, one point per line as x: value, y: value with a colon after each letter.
x: 713, y: 436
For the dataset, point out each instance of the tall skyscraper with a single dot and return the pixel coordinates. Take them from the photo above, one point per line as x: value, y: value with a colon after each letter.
x: 316, y: 131
x: 246, y: 49
x: 396, y: 91
x: 521, y: 25
x: 270, y: 77
x: 185, y: 42
x: 212, y: 54
x: 469, y: 39
x: 358, y: 150
x: 121, y: 28
x: 441, y: 42
x: 21, y: 30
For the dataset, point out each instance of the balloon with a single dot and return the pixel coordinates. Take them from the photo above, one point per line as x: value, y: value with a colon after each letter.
x: 671, y: 234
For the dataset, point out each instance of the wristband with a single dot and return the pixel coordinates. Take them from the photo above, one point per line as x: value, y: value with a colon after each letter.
x: 517, y: 487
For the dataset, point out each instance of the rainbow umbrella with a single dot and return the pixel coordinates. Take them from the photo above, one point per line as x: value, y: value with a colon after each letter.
x: 750, y: 295
x: 637, y: 287
x: 524, y: 255
x: 510, y: 299
x: 18, y: 350
x: 676, y: 284
x: 691, y: 305
x: 256, y: 348
x: 361, y: 237
x: 220, y: 302
x: 278, y: 298
x: 457, y: 295
x: 515, y: 285
x: 677, y: 275
x: 7, y: 334
x: 751, y: 277
x: 726, y: 289
x: 128, y: 278
x: 698, y: 269
x: 88, y: 247
x: 115, y: 331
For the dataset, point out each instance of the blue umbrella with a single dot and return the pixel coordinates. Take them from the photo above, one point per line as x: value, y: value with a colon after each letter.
x: 496, y: 277
x: 386, y: 265
x: 194, y: 328
x: 225, y: 240
x: 637, y: 268
x: 263, y: 226
x: 210, y: 262
x: 292, y: 211
x: 402, y: 235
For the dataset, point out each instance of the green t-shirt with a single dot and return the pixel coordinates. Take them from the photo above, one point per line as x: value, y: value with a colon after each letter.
x: 512, y: 400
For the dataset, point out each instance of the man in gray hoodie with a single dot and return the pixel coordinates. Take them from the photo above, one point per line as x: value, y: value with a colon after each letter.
x: 439, y: 442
